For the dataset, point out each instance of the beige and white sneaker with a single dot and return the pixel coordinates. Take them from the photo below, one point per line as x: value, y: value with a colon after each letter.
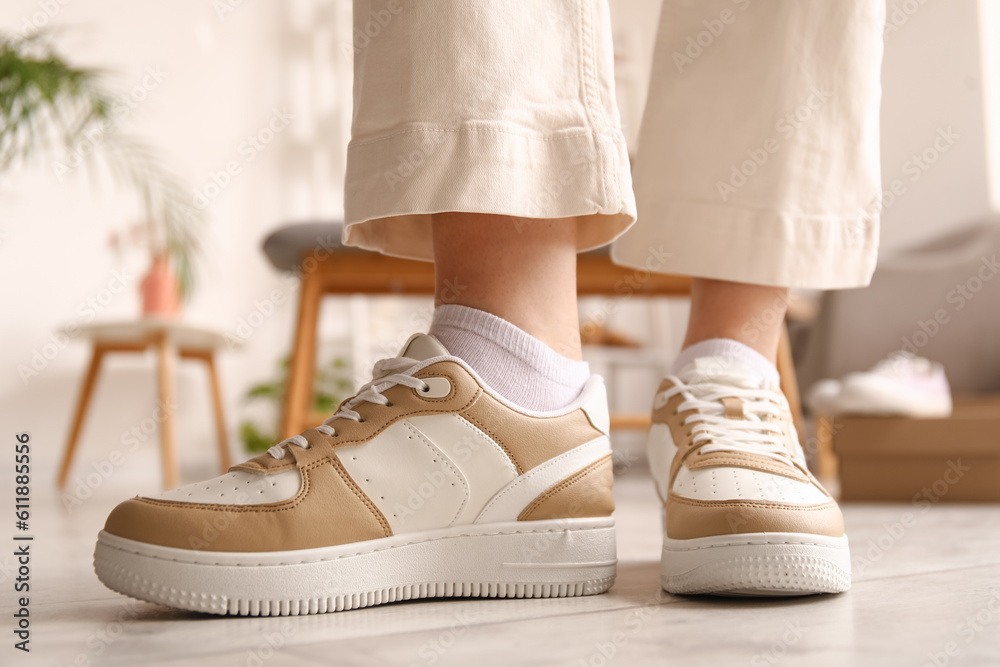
x: 425, y: 484
x: 743, y: 514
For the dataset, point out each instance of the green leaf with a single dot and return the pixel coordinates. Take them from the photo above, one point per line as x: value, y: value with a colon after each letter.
x: 270, y: 390
x: 253, y: 439
x: 44, y: 100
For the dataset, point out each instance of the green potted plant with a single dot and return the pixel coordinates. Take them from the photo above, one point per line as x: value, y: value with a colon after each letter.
x: 45, y: 101
x: 331, y: 387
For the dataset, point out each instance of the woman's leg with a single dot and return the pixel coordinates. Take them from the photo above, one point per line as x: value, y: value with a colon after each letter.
x: 486, y: 138
x: 518, y: 269
x: 758, y: 171
x: 749, y: 314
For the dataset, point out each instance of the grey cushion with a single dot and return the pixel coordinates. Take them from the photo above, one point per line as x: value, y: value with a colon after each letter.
x: 286, y: 246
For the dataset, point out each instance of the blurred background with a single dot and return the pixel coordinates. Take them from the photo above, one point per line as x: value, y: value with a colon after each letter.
x: 243, y: 110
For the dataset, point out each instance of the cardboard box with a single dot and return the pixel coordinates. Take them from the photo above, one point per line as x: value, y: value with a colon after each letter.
x: 911, y: 460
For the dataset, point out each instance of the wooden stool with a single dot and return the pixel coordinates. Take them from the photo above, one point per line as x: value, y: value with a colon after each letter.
x: 349, y: 271
x: 171, y: 340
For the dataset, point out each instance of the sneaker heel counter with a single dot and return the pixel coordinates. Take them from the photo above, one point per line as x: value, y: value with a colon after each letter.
x: 594, y: 402
x: 584, y: 494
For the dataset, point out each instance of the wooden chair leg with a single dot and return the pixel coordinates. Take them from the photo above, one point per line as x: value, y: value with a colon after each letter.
x: 166, y: 355
x: 220, y: 420
x: 789, y: 381
x: 826, y: 458
x: 83, y: 402
x: 302, y: 367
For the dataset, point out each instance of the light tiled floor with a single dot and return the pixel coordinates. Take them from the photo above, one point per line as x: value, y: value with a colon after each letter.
x: 919, y: 591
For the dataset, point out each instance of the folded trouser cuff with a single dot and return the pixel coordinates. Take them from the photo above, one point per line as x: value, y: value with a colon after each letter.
x: 726, y: 242
x: 396, y: 182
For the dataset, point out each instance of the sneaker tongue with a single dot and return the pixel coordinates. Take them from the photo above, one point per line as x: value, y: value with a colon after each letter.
x: 422, y: 347
x: 721, y: 370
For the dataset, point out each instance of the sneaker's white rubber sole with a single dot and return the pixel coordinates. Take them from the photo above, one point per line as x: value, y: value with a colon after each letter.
x: 554, y: 558
x: 756, y: 564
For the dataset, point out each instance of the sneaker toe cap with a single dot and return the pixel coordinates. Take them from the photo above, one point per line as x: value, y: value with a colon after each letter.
x: 688, y: 518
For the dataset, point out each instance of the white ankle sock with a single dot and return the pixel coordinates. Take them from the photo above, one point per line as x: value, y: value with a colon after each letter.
x: 516, y: 365
x: 730, y: 349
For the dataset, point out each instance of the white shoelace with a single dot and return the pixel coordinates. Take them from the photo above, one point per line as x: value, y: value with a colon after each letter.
x: 387, y: 373
x: 755, y: 433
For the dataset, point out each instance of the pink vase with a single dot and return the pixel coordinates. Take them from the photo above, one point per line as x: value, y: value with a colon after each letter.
x: 160, y: 289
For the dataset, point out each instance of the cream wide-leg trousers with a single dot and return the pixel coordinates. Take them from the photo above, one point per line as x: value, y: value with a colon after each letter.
x: 757, y: 160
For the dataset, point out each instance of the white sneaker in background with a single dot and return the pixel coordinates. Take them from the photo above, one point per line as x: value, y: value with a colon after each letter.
x: 822, y: 397
x: 901, y: 384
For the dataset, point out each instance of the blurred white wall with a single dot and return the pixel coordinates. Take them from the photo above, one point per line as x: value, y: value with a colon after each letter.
x: 218, y: 83
x: 989, y: 34
x: 933, y: 85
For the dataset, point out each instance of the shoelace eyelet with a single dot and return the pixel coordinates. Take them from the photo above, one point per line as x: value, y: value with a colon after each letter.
x: 426, y: 388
